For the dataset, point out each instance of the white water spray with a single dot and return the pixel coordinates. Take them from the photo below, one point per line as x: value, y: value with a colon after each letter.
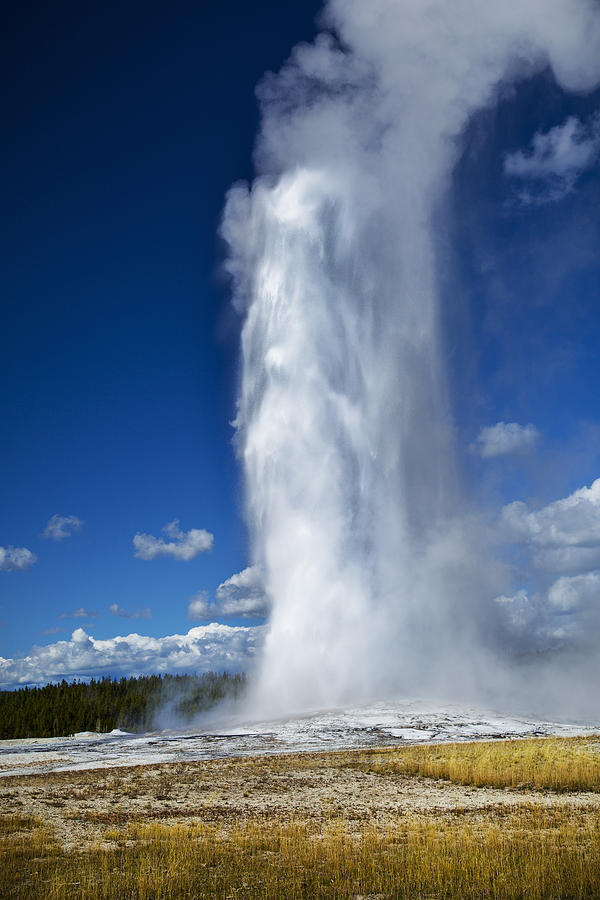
x: 344, y: 422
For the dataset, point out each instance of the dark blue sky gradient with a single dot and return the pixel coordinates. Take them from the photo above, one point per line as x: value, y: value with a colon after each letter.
x: 526, y: 278
x: 125, y: 124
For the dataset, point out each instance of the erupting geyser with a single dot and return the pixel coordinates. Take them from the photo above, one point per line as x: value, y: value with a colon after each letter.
x: 344, y: 419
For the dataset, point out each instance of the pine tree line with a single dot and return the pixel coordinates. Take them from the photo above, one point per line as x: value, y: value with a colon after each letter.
x: 130, y: 704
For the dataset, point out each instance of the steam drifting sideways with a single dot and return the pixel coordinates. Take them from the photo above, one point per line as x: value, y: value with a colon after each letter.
x: 356, y: 514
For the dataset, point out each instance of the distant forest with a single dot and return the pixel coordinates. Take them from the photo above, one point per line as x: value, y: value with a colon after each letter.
x: 129, y: 703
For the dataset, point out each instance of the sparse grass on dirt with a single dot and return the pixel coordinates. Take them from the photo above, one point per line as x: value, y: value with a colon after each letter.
x: 528, y: 852
x: 361, y: 824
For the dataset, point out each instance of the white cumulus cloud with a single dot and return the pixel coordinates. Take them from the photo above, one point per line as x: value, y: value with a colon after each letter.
x: 564, y: 536
x: 16, y: 559
x: 571, y: 594
x: 204, y: 648
x: 184, y: 545
x: 556, y: 158
x: 240, y: 596
x: 60, y: 527
x: 244, y: 594
x: 569, y: 610
x: 562, y: 545
x: 504, y: 438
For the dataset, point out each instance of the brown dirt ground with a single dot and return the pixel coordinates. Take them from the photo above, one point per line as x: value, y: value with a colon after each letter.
x: 80, y: 805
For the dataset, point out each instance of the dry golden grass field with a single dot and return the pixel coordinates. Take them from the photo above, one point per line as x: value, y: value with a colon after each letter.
x: 502, y: 819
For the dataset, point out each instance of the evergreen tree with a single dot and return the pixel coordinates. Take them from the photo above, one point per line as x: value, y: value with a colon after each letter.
x: 130, y: 704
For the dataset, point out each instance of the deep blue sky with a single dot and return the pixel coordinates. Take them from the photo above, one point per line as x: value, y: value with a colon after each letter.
x: 528, y: 277
x: 124, y: 126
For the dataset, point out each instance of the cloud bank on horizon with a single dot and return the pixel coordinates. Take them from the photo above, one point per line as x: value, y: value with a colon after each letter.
x: 205, y: 648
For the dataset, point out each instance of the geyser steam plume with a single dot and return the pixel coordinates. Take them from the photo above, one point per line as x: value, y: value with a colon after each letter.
x: 344, y: 421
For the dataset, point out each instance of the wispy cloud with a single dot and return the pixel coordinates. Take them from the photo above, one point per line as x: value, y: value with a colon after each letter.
x: 116, y: 610
x: 80, y: 613
x: 60, y: 527
x: 555, y: 159
x: 241, y: 596
x: 184, y: 545
x: 204, y: 648
x: 16, y: 559
x: 504, y: 438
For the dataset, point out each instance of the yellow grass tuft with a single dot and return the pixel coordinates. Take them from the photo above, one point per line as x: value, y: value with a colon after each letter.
x: 555, y: 764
